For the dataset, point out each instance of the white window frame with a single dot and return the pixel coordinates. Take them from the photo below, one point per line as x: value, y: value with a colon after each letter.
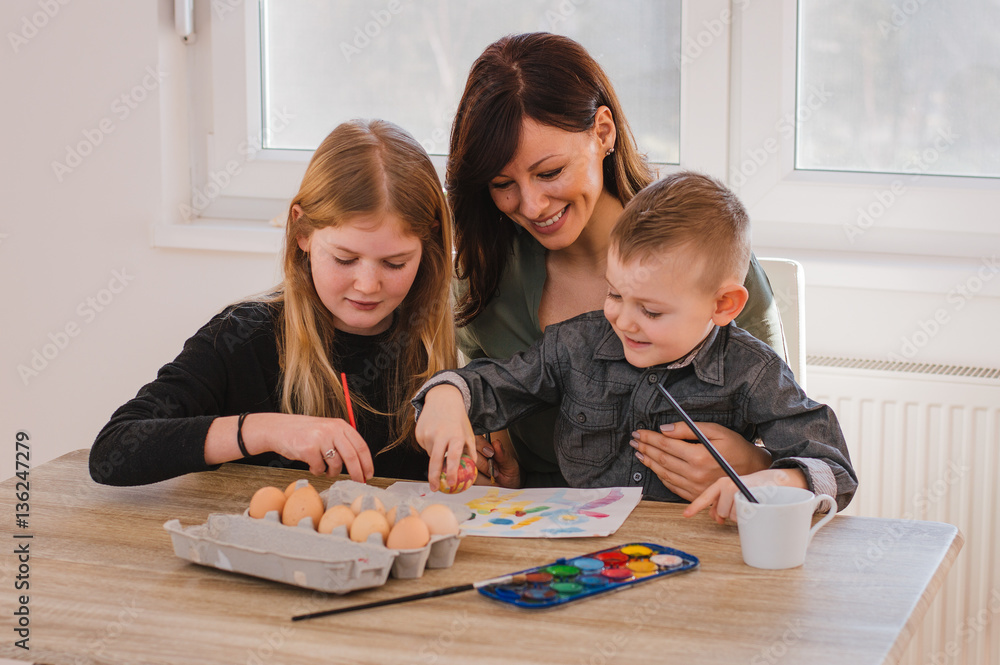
x: 220, y: 111
x: 912, y: 214
x: 738, y: 81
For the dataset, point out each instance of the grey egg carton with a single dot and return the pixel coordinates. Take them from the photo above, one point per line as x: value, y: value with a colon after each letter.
x: 301, y: 556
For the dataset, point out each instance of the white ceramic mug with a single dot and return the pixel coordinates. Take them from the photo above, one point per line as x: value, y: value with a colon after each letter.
x: 776, y: 532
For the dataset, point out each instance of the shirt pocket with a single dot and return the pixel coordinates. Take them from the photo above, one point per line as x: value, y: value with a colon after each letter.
x: 719, y: 409
x: 588, y: 432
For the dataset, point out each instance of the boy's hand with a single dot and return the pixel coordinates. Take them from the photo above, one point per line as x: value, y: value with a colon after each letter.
x: 688, y: 469
x: 722, y: 493
x: 444, y: 431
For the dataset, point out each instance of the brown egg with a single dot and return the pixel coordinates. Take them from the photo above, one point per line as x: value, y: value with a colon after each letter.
x: 367, y: 523
x: 291, y: 488
x: 406, y: 510
x: 409, y: 533
x: 357, y: 504
x: 334, y: 517
x: 304, y: 502
x: 440, y: 520
x: 265, y: 500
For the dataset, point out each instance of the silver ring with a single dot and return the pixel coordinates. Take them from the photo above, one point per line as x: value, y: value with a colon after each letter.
x: 330, y: 453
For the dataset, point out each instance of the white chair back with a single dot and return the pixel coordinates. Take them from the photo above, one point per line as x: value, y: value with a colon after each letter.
x: 788, y: 283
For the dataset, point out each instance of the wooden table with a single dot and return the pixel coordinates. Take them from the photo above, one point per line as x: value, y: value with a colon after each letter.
x: 106, y: 587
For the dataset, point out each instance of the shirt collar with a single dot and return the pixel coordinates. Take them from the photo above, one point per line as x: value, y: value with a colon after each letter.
x: 707, y: 358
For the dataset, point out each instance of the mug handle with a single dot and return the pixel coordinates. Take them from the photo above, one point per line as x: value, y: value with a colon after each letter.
x: 831, y: 513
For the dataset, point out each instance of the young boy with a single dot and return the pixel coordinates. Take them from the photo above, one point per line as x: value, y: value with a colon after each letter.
x: 678, y: 256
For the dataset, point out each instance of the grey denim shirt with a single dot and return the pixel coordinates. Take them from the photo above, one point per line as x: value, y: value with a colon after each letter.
x: 731, y: 379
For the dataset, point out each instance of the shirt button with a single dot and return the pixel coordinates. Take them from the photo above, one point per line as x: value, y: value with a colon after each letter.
x: 581, y: 417
x: 651, y: 378
x: 640, y: 425
x: 637, y: 477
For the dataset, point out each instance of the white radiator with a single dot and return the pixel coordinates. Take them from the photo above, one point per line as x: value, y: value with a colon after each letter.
x: 925, y: 441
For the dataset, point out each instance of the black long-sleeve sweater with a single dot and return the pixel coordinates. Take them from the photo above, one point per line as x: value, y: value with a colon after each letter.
x: 228, y: 367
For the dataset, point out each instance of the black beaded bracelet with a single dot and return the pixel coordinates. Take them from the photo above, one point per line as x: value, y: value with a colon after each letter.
x: 239, y: 434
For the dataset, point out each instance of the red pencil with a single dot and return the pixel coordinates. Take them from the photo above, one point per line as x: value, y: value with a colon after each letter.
x: 347, y: 399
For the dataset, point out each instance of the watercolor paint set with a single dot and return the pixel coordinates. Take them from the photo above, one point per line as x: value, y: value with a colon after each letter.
x: 567, y: 580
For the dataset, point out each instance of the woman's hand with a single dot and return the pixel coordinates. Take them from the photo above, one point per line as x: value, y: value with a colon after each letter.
x: 308, y: 439
x: 444, y: 431
x: 721, y: 494
x: 688, y: 469
x: 506, y: 470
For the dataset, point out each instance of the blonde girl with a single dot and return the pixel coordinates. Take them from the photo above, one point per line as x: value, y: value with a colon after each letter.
x: 367, y: 266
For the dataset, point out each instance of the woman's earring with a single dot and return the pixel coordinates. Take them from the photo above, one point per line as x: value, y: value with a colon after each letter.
x: 610, y: 150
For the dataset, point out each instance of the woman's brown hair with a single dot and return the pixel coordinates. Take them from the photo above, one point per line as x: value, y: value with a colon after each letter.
x: 554, y: 81
x: 366, y: 167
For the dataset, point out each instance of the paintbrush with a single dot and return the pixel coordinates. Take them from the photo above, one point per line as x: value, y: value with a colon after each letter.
x: 506, y: 579
x: 705, y: 442
x: 347, y: 400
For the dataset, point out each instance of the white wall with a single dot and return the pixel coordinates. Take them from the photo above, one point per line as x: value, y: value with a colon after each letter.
x: 61, y: 242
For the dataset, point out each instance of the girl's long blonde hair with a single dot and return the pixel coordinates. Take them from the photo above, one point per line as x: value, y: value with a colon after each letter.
x: 365, y: 167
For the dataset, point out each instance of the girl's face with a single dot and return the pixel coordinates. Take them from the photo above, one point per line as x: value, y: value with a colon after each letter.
x: 363, y: 269
x: 555, y: 179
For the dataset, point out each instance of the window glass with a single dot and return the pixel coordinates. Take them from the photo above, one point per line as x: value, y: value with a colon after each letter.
x: 327, y: 61
x: 899, y: 86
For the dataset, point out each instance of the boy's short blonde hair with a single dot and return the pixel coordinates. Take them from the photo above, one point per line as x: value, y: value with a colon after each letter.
x: 692, y: 210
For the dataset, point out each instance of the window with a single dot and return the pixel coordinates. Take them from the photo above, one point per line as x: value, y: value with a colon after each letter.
x: 825, y: 162
x: 330, y: 61
x: 270, y: 78
x: 845, y: 125
x: 907, y: 87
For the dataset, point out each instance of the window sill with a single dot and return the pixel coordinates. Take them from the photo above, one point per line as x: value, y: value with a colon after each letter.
x: 227, y: 235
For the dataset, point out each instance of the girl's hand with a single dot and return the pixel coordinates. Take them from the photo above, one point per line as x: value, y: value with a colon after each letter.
x: 506, y: 470
x: 309, y: 439
x: 444, y: 431
x: 688, y: 469
x: 722, y: 493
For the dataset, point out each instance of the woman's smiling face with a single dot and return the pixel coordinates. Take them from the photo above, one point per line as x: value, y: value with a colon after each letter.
x: 554, y: 180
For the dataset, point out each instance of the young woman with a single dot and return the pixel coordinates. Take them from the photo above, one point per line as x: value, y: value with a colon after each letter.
x: 367, y: 271
x: 541, y: 163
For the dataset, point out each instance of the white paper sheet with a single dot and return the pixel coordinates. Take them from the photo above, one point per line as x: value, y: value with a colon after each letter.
x: 551, y: 512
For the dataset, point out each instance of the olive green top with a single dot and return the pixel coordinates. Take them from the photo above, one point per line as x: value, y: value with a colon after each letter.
x: 509, y: 325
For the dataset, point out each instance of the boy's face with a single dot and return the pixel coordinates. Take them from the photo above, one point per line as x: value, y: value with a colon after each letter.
x: 657, y: 305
